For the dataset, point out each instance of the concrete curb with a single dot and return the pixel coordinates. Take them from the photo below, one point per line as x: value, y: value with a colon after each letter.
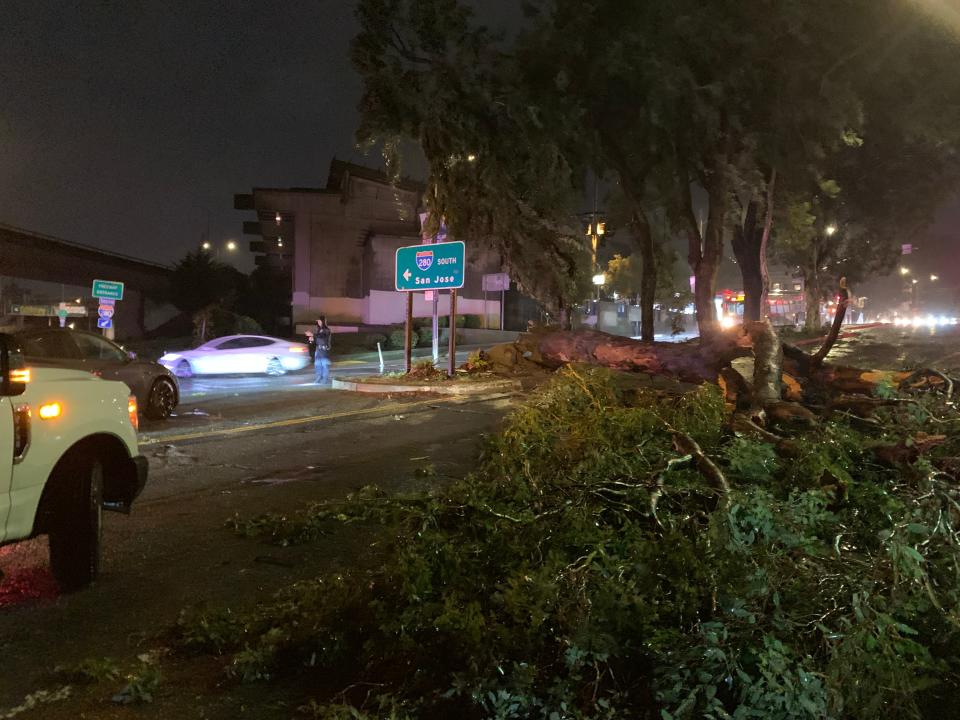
x: 471, y: 388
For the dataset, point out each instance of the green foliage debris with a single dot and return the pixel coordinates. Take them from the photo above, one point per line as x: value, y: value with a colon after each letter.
x: 587, y: 570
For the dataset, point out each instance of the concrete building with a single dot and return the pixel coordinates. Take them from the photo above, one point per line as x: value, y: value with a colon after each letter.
x: 337, y: 246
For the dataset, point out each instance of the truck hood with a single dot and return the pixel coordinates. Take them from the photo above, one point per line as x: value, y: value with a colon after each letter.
x: 46, y: 374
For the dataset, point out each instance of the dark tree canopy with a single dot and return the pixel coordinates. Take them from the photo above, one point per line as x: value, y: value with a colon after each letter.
x: 727, y: 117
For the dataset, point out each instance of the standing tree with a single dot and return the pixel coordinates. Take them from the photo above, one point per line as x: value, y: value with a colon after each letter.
x: 199, y: 283
x: 498, y: 175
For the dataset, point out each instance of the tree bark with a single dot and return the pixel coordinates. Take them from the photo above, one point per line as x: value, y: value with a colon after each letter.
x: 764, y: 243
x: 648, y: 278
x: 705, y: 250
x: 746, y: 241
x: 691, y: 362
x: 749, y: 242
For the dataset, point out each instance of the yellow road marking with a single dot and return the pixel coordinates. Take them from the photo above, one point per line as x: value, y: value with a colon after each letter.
x: 297, y: 421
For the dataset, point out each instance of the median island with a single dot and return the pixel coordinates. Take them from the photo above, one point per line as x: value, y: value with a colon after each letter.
x: 479, y: 374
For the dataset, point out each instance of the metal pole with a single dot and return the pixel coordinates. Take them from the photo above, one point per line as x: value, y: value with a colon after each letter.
x: 486, y: 317
x: 453, y: 334
x: 436, y: 326
x: 407, y: 340
x: 503, y: 295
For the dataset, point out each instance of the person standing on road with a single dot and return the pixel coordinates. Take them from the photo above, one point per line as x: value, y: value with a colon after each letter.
x: 321, y: 359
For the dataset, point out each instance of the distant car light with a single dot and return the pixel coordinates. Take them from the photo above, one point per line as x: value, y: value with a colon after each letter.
x: 727, y: 322
x: 50, y: 411
x: 132, y: 412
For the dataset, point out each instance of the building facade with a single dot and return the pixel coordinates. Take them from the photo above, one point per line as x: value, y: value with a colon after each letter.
x: 337, y: 245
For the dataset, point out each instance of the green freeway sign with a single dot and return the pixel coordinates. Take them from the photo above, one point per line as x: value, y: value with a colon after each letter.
x: 440, y: 266
x: 107, y: 289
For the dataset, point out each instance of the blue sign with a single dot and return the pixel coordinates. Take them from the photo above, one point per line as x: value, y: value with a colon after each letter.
x: 104, y: 323
x: 107, y: 289
x: 441, y: 266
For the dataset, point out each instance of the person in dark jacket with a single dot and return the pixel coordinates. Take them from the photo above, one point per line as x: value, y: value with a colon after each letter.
x: 321, y: 358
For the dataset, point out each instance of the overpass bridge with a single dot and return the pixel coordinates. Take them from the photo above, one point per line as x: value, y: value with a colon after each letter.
x: 26, y: 255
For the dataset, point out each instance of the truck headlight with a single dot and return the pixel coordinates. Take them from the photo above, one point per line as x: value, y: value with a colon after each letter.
x: 49, y: 411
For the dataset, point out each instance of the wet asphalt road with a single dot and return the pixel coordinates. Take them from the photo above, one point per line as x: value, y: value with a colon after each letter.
x: 238, y: 446
x: 897, y: 348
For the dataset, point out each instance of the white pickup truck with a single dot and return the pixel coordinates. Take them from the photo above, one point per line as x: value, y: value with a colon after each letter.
x: 70, y: 441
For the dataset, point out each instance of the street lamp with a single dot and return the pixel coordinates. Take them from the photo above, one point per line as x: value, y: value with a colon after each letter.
x: 599, y: 280
x: 904, y: 271
x: 934, y: 278
x: 208, y: 246
x: 831, y: 230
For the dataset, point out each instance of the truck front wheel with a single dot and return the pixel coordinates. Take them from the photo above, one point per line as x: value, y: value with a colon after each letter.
x: 77, y: 523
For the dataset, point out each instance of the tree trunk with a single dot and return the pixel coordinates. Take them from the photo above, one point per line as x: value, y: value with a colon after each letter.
x: 764, y: 243
x: 648, y: 279
x: 705, y: 250
x: 749, y: 242
x: 691, y: 362
x: 811, y: 290
x: 564, y: 319
x: 837, y: 323
x: 745, y: 242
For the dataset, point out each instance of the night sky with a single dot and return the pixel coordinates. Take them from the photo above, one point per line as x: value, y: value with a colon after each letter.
x: 126, y: 125
x: 130, y: 125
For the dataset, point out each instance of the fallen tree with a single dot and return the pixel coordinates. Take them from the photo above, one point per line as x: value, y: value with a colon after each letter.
x: 785, y: 385
x: 621, y: 554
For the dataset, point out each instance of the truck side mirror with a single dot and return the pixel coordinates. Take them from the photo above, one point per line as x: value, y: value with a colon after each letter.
x: 13, y: 369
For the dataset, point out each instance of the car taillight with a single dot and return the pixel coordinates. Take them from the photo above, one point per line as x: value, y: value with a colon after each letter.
x: 21, y: 431
x: 132, y: 412
x: 298, y: 349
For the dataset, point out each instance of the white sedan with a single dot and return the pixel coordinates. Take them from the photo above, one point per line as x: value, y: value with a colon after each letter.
x: 236, y: 354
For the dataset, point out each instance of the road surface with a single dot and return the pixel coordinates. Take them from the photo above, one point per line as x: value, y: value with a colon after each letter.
x: 900, y: 348
x: 238, y: 446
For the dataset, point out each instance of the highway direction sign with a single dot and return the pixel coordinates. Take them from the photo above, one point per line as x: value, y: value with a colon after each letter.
x: 496, y: 282
x: 440, y: 266
x: 107, y: 289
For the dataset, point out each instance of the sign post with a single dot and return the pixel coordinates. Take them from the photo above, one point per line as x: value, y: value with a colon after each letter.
x: 452, y: 365
x: 408, y: 336
x: 436, y: 324
x: 439, y: 266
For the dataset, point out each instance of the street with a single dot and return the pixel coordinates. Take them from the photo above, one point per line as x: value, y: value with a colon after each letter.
x: 246, y: 445
x: 900, y: 348
x: 236, y: 446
